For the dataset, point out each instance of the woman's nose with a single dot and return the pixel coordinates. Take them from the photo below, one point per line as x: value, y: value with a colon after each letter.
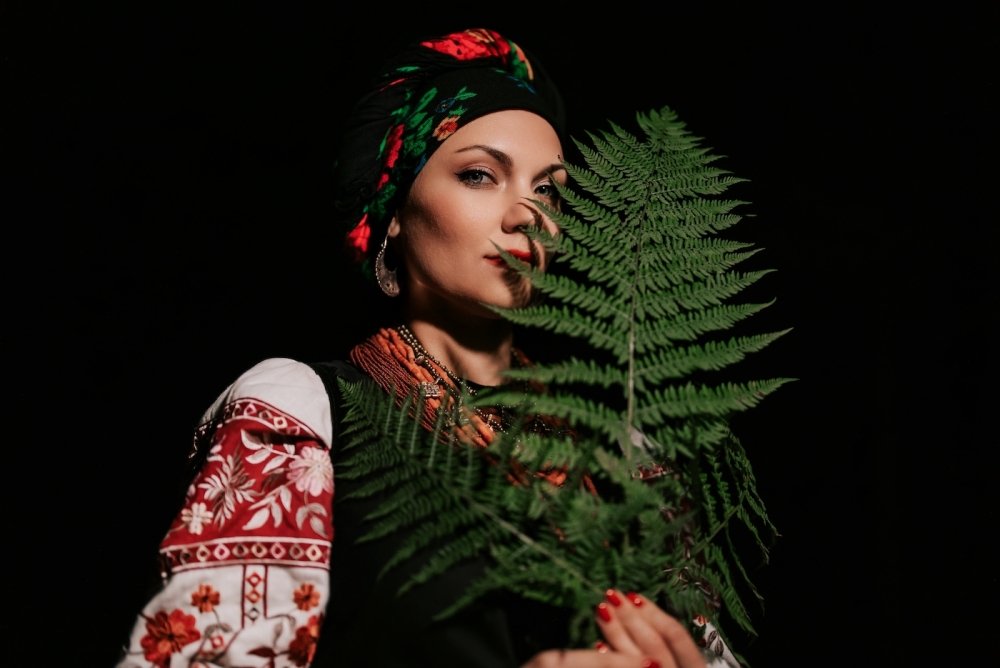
x: 520, y: 215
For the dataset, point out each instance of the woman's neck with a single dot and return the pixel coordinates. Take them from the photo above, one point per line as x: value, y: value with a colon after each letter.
x: 478, y: 350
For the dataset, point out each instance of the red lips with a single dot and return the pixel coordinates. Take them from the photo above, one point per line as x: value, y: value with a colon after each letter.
x: 523, y: 256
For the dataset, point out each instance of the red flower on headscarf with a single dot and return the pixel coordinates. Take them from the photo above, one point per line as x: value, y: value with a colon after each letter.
x: 393, y: 143
x: 168, y: 634
x: 357, y: 239
x: 471, y: 44
x: 446, y: 128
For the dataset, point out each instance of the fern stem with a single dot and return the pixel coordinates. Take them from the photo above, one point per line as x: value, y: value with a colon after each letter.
x: 415, y: 430
x: 723, y: 522
x: 630, y: 376
x: 531, y: 543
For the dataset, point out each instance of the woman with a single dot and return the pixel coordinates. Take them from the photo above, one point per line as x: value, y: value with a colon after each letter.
x: 440, y: 169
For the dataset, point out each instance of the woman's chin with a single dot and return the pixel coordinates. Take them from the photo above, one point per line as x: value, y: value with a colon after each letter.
x: 511, y: 300
x: 519, y: 293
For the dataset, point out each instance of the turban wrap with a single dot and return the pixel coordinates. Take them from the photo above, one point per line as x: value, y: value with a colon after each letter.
x: 421, y: 97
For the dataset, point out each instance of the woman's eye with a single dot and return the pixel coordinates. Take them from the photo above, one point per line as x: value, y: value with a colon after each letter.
x: 475, y: 177
x: 547, y: 191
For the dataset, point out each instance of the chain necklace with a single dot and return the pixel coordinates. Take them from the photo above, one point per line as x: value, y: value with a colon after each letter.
x: 422, y: 356
x: 496, y: 417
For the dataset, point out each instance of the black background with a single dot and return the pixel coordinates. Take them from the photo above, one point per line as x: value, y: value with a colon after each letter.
x: 167, y: 174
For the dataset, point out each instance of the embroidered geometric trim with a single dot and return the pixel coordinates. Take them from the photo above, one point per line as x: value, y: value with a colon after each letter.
x: 273, y: 417
x: 231, y: 551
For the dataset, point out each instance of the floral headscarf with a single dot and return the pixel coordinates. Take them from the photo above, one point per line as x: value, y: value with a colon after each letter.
x: 421, y: 98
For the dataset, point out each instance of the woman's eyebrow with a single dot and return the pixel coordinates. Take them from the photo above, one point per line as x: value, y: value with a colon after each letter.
x: 495, y: 153
x: 551, y: 170
x: 506, y: 161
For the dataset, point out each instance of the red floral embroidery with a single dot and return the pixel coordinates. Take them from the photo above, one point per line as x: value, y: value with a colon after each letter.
x: 205, y: 599
x: 303, y: 647
x: 306, y: 597
x: 168, y: 634
x: 446, y: 128
x: 471, y: 44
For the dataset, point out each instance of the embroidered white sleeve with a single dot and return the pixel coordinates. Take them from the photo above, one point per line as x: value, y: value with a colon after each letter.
x: 288, y: 385
x: 717, y: 652
x: 246, y: 559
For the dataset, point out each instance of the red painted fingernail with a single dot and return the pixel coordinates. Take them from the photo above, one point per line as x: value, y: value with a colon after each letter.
x: 601, y: 647
x: 613, y: 598
x: 604, y: 612
x: 636, y: 601
x: 649, y: 663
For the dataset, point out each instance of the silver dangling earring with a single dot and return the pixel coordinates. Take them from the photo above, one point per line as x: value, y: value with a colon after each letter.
x: 386, y: 277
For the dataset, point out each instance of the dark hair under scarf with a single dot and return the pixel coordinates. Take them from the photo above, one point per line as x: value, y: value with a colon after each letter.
x: 423, y: 95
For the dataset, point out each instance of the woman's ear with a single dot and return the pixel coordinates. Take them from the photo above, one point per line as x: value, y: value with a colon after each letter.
x: 393, y: 231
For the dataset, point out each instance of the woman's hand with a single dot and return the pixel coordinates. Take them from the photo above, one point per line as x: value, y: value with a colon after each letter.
x: 637, y: 633
x: 635, y: 626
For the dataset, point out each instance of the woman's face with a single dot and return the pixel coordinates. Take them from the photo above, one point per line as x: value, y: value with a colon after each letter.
x: 475, y: 191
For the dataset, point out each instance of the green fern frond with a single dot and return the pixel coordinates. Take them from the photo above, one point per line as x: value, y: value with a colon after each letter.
x: 680, y: 362
x: 599, y: 334
x: 660, y: 200
x: 573, y: 370
x: 702, y: 434
x: 691, y: 325
x: 586, y: 412
x: 608, y: 199
x: 690, y: 400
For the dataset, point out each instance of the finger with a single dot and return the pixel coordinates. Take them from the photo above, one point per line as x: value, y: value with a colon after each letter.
x: 682, y: 646
x: 614, y: 632
x: 587, y: 658
x: 641, y: 633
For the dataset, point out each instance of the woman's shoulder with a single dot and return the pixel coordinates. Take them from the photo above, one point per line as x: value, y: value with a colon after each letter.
x: 290, y: 387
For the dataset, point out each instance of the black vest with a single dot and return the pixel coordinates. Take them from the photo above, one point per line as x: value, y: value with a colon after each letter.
x: 369, y: 624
